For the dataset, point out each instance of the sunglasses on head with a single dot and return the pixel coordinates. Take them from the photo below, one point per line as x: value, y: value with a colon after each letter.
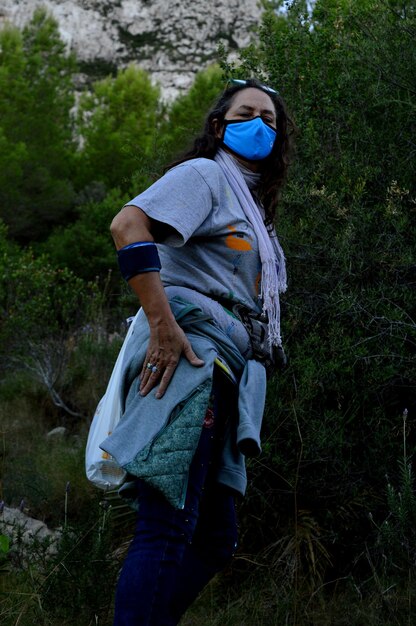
x: 240, y: 81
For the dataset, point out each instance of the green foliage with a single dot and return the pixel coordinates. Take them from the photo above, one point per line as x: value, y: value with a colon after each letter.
x: 35, y: 293
x: 186, y: 115
x: 118, y: 124
x: 92, y: 361
x: 44, y: 311
x: 347, y: 225
x: 4, y: 552
x: 346, y: 71
x: 67, y: 581
x: 396, y: 534
x: 36, y: 143
x: 4, y: 544
x: 82, y: 575
x: 85, y: 246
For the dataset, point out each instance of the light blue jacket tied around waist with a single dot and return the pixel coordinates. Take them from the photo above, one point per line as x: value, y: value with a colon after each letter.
x: 155, y: 439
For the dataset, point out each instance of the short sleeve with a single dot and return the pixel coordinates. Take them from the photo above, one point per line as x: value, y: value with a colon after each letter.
x: 182, y: 199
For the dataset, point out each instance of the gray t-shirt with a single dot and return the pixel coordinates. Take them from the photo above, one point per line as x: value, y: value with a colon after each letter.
x: 212, y: 248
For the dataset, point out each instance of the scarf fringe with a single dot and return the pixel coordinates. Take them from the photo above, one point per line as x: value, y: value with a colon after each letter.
x: 271, y: 301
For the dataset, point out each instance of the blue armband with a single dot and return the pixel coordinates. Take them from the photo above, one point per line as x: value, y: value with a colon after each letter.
x: 138, y: 258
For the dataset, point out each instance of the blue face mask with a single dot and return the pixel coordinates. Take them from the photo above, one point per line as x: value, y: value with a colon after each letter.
x: 252, y: 139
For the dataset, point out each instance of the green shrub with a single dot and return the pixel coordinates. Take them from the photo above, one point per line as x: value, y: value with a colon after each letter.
x: 347, y: 224
x: 36, y: 140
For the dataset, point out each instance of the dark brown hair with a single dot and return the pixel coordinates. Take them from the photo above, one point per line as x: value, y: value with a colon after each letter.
x: 274, y: 167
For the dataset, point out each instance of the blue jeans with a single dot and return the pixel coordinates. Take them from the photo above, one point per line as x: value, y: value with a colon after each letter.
x: 174, y: 553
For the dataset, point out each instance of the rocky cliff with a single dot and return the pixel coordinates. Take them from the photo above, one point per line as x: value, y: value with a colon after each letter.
x: 171, y: 39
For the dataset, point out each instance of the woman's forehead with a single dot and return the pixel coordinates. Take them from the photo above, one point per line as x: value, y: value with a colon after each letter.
x: 254, y: 98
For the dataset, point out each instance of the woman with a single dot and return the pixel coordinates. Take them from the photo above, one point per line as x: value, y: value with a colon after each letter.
x: 209, y: 294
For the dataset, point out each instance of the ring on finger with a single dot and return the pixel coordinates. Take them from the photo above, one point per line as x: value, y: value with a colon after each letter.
x: 150, y: 366
x: 155, y: 369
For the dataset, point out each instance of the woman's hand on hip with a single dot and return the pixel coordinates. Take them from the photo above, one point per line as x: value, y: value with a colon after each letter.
x: 166, y: 345
x: 167, y: 340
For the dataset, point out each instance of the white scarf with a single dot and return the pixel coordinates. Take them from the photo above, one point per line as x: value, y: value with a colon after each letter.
x: 273, y: 273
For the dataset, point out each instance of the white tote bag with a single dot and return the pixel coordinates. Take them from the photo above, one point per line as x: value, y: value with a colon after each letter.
x: 101, y: 468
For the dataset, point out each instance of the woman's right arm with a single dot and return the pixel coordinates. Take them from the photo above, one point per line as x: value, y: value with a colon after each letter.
x: 167, y: 340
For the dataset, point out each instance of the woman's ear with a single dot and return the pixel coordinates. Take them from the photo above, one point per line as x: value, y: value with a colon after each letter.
x: 218, y: 128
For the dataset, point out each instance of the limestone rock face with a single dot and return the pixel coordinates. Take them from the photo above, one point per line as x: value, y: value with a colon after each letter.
x: 171, y: 39
x: 24, y: 530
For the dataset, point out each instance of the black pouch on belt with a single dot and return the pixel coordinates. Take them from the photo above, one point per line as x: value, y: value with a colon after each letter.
x: 257, y: 327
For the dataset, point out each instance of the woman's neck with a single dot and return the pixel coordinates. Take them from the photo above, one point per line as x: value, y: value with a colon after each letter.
x: 252, y: 177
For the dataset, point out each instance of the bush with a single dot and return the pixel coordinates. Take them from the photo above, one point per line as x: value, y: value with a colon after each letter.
x: 347, y: 224
x: 36, y: 142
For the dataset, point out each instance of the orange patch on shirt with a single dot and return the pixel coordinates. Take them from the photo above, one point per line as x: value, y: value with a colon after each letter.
x: 237, y: 242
